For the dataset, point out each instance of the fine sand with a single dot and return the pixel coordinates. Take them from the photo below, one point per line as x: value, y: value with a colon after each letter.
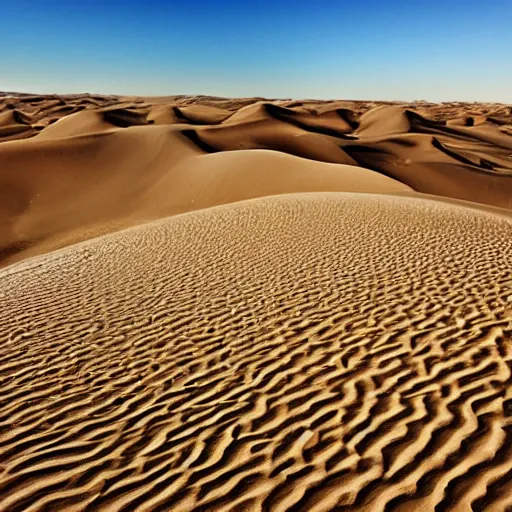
x: 250, y: 305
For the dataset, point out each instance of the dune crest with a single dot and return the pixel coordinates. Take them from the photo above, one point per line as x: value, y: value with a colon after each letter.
x: 136, y: 159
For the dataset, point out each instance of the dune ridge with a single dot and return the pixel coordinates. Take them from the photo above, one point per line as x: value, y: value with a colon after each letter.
x: 113, y: 151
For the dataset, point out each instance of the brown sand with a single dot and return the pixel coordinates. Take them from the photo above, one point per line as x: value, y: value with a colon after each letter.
x: 140, y: 159
x: 311, y: 308
x: 291, y: 353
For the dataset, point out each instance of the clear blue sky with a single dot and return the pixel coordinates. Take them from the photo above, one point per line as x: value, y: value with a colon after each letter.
x: 351, y: 49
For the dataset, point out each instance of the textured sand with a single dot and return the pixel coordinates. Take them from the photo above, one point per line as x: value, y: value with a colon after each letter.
x: 272, y: 306
x: 300, y: 352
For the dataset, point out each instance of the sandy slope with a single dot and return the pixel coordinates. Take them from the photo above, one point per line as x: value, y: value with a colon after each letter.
x: 86, y: 166
x: 139, y: 159
x: 300, y: 352
x: 89, y: 185
x: 252, y: 305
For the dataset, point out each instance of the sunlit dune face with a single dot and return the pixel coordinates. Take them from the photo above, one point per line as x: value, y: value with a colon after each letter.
x: 309, y: 351
x: 141, y: 159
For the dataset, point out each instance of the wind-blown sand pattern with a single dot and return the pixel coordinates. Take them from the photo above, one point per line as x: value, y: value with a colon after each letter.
x: 273, y: 332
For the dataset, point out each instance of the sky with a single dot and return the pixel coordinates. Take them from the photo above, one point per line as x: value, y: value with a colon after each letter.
x: 435, y: 50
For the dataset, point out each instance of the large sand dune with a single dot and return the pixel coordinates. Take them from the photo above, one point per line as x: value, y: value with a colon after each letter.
x: 250, y: 305
x: 301, y: 352
x: 86, y: 166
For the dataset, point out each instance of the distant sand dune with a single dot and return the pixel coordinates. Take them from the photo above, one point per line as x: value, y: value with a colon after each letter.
x: 50, y: 206
x: 14, y: 124
x: 100, y: 151
x: 301, y: 352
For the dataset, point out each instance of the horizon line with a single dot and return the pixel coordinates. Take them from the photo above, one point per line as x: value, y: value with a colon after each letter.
x: 88, y: 93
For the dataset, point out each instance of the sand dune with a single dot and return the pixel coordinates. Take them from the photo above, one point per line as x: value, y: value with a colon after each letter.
x: 93, y: 121
x: 299, y: 352
x: 193, y: 114
x: 254, y: 305
x: 50, y: 206
x: 14, y: 124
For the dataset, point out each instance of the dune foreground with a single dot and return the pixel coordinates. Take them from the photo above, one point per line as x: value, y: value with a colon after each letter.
x: 298, y: 352
x: 248, y: 305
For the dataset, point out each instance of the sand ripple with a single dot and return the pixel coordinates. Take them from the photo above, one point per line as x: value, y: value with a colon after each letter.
x: 302, y: 352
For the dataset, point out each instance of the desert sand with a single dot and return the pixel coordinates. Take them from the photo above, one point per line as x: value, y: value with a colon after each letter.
x: 254, y: 305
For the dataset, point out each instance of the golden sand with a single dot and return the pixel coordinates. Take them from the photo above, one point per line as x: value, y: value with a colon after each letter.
x: 273, y: 332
